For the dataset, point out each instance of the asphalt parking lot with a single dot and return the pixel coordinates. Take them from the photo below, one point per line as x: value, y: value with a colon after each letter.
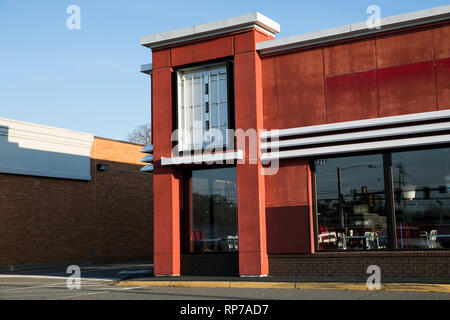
x: 126, y: 281
x: 32, y: 288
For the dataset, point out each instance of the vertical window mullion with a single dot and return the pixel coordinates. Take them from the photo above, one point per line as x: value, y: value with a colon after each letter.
x: 201, y: 101
x: 314, y: 204
x: 193, y: 111
x: 209, y: 106
x: 180, y: 88
x: 390, y: 202
x: 186, y: 114
x: 206, y: 114
x: 218, y: 102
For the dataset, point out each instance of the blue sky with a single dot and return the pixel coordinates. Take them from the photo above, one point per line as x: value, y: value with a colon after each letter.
x: 89, y: 80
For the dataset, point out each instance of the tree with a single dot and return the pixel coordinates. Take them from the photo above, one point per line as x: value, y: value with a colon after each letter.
x: 141, y: 135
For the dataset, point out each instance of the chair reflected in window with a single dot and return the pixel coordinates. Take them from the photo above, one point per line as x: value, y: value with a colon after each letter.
x: 326, y: 238
x: 372, y: 241
x: 230, y: 243
x: 197, y: 240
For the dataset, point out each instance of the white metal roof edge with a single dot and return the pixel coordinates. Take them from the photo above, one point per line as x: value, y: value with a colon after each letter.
x: 254, y: 19
x: 210, y: 157
x: 34, y: 128
x: 354, y: 30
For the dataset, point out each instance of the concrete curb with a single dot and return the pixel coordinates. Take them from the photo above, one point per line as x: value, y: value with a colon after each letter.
x: 417, y: 287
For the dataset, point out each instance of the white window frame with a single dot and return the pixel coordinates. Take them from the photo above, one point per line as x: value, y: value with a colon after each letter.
x: 209, y: 92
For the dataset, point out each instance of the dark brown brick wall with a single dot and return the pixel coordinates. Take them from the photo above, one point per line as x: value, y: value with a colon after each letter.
x: 414, y: 264
x: 107, y: 219
x: 210, y: 264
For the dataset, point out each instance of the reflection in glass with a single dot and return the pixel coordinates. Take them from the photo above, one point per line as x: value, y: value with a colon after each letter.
x: 422, y: 198
x: 351, y: 206
x: 213, y: 214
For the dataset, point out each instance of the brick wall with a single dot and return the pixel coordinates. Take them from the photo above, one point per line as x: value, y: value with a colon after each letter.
x: 107, y: 219
x: 220, y: 264
x: 417, y: 264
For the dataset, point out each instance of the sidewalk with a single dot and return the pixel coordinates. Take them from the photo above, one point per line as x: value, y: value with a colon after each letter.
x: 303, y: 283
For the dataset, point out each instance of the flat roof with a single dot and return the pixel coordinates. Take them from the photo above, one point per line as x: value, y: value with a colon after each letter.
x: 121, y: 141
x: 354, y: 30
x: 254, y: 19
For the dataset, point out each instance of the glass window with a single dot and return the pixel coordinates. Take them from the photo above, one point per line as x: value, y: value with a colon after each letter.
x: 422, y: 198
x: 351, y: 206
x: 203, y: 107
x: 213, y: 211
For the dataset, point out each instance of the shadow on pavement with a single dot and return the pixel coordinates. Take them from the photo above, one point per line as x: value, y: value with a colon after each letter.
x: 113, y: 271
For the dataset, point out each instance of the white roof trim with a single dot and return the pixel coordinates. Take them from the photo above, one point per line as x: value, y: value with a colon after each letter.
x: 202, y: 158
x: 47, y: 134
x: 367, y: 134
x: 254, y: 19
x: 357, y: 124
x: 355, y: 147
x: 33, y: 149
x: 354, y: 30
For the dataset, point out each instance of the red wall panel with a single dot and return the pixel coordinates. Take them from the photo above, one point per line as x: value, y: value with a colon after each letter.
x: 203, y: 51
x: 352, y: 97
x: 300, y: 89
x: 289, y: 186
x: 160, y: 58
x: 288, y: 213
x: 404, y: 48
x: 347, y: 58
x: 162, y: 112
x: 246, y: 41
x: 442, y: 42
x: 269, y: 94
x: 407, y: 89
x: 405, y: 80
x: 443, y: 83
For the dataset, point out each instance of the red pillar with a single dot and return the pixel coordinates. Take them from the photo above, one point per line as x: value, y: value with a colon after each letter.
x: 166, y: 181
x: 253, y: 260
x: 166, y: 223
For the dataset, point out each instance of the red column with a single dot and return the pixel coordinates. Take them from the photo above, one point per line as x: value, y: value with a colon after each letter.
x: 253, y: 260
x: 166, y: 181
x: 166, y: 223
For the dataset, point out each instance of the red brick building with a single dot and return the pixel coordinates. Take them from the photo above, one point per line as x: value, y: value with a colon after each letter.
x: 355, y: 122
x: 69, y: 197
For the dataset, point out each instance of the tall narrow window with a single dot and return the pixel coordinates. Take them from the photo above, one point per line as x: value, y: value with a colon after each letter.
x: 203, y: 107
